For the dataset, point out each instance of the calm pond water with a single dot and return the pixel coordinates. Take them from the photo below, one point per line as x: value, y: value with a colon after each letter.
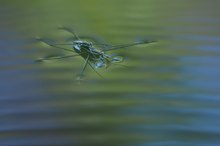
x: 169, y: 95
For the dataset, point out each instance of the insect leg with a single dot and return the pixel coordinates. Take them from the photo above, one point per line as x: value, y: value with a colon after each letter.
x: 80, y: 76
x: 70, y: 31
x: 55, y: 57
x: 95, y: 70
x: 53, y: 45
x: 95, y: 39
x: 127, y: 45
x: 122, y: 65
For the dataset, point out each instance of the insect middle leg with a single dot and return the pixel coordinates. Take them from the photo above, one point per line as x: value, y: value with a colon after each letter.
x: 56, y: 57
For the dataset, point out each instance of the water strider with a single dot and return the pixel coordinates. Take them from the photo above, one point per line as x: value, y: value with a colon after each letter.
x: 93, y: 56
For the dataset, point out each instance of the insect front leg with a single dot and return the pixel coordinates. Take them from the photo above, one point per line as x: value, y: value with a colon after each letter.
x: 80, y: 76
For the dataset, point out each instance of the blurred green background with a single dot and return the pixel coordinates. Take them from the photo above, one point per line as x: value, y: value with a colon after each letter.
x: 168, y: 96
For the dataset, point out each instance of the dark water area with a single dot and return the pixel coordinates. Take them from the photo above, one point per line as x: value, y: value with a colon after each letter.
x: 169, y: 95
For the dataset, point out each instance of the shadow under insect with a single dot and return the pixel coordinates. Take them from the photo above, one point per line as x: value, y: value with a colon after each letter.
x: 94, y: 54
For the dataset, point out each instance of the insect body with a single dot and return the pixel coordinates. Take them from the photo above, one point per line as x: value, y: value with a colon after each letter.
x: 94, y: 57
x: 97, y: 57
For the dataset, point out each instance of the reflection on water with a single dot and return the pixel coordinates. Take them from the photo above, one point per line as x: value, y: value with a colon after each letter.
x: 168, y: 96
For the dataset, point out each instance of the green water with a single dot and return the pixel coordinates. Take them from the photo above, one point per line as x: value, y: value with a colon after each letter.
x: 167, y: 96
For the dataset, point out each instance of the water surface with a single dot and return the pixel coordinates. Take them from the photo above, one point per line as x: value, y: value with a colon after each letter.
x: 168, y: 96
